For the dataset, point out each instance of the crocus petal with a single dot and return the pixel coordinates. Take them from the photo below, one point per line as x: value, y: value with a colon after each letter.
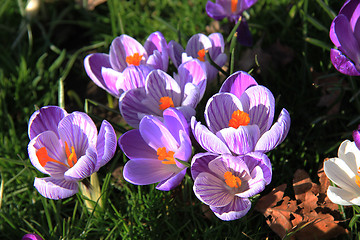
x: 172, y: 182
x: 156, y: 135
x: 241, y: 140
x: 349, y: 152
x: 174, y: 120
x: 156, y: 41
x: 219, y: 109
x: 106, y: 144
x: 131, y: 107
x: 208, y: 140
x: 31, y: 236
x: 199, y: 163
x: 276, y: 135
x: 55, y: 188
x: 351, y: 9
x: 110, y: 78
x: 356, y: 137
x: 215, y: 11
x: 147, y: 171
x: 254, y: 159
x: 175, y: 52
x: 79, y: 131
x: 259, y: 102
x: 122, y: 47
x: 348, y: 43
x: 192, y: 95
x: 246, y: 4
x: 255, y: 185
x: 93, y: 64
x: 218, y: 45
x: 196, y: 43
x: 134, y: 146
x: 227, y: 162
x: 184, y: 151
x: 45, y: 119
x: 157, y: 61
x: 50, y: 141
x: 343, y: 64
x: 238, y: 208
x: 133, y: 77
x: 342, y: 196
x: 211, y: 190
x: 237, y: 83
x: 192, y: 72
x: 243, y: 34
x: 84, y: 167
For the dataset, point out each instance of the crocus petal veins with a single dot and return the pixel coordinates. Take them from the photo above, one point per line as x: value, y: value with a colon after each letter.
x: 165, y: 157
x: 44, y: 158
x: 134, y: 59
x: 201, y: 55
x: 233, y: 5
x: 239, y: 118
x: 231, y: 180
x: 165, y: 102
x: 71, y: 156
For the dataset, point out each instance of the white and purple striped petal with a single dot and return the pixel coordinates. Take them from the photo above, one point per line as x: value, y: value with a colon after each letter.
x: 55, y: 188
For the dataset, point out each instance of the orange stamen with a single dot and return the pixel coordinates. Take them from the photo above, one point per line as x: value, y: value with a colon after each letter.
x: 234, y: 5
x: 134, y: 59
x: 231, y: 180
x: 239, y: 118
x: 165, y: 157
x: 44, y: 158
x: 71, y: 156
x: 165, y: 102
x: 201, y: 55
x: 357, y: 180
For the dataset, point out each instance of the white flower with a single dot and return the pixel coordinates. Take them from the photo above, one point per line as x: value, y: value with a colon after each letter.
x: 344, y: 171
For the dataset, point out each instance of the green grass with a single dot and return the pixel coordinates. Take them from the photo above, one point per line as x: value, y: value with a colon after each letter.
x: 38, y: 54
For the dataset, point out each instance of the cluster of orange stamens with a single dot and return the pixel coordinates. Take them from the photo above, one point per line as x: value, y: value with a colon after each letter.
x: 239, y: 118
x: 165, y: 102
x: 231, y: 180
x: 44, y: 158
x: 165, y: 157
x: 134, y: 59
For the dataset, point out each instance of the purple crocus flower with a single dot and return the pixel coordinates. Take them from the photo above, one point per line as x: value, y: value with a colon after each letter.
x: 154, y: 148
x: 232, y: 10
x: 196, y: 48
x: 68, y: 148
x: 345, y: 34
x: 31, y: 236
x: 239, y: 119
x: 161, y: 91
x: 225, y: 182
x: 108, y: 70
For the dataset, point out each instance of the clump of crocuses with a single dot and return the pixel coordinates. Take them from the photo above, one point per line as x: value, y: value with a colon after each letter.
x: 67, y: 147
x: 345, y: 34
x: 155, y: 149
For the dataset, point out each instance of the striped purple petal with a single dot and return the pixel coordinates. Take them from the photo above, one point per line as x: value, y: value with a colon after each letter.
x: 236, y: 209
x: 55, y: 188
x: 199, y: 163
x: 343, y: 64
x: 175, y: 52
x: 215, y: 11
x: 237, y: 83
x: 85, y: 166
x: 106, y: 144
x: 94, y: 63
x: 172, y: 182
x: 134, y: 146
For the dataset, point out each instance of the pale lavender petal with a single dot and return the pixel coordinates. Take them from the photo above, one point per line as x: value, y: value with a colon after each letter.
x: 218, y: 45
x: 192, y: 72
x: 106, y: 144
x: 255, y: 159
x: 156, y: 41
x: 238, y: 208
x: 241, y: 140
x: 348, y: 43
x: 172, y: 182
x: 187, y: 111
x: 175, y: 121
x: 56, y: 170
x: 160, y: 84
x: 79, y: 131
x: 259, y: 102
x: 84, y: 167
x: 237, y: 83
x: 191, y: 95
x: 156, y: 135
x: 122, y: 47
x: 175, y: 52
x: 246, y: 4
x: 148, y: 171
x: 211, y: 190
x: 196, y: 43
x: 276, y: 135
x: 131, y: 107
x: 93, y: 64
x: 53, y: 146
x: 342, y: 63
x: 110, y: 78
x: 55, y: 188
x: 255, y: 185
x: 199, y: 163
x: 184, y: 151
x: 233, y: 164
x: 211, y: 71
x: 215, y: 11
x: 158, y: 61
x: 133, y: 77
x: 220, y: 60
x: 45, y: 119
x: 219, y: 109
x: 207, y: 140
x: 134, y: 146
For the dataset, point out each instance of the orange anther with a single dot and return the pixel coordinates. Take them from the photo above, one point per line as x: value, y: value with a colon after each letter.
x: 233, y: 5
x: 44, y: 158
x: 201, y: 55
x: 231, y: 180
x: 165, y: 157
x: 134, y: 59
x: 239, y: 118
x: 165, y: 102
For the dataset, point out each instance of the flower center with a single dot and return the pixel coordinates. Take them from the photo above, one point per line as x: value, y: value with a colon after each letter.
x: 233, y: 5
x: 165, y: 102
x: 165, y: 157
x: 134, y: 59
x: 357, y: 180
x: 231, y: 180
x: 239, y: 118
x: 44, y: 158
x: 201, y: 55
